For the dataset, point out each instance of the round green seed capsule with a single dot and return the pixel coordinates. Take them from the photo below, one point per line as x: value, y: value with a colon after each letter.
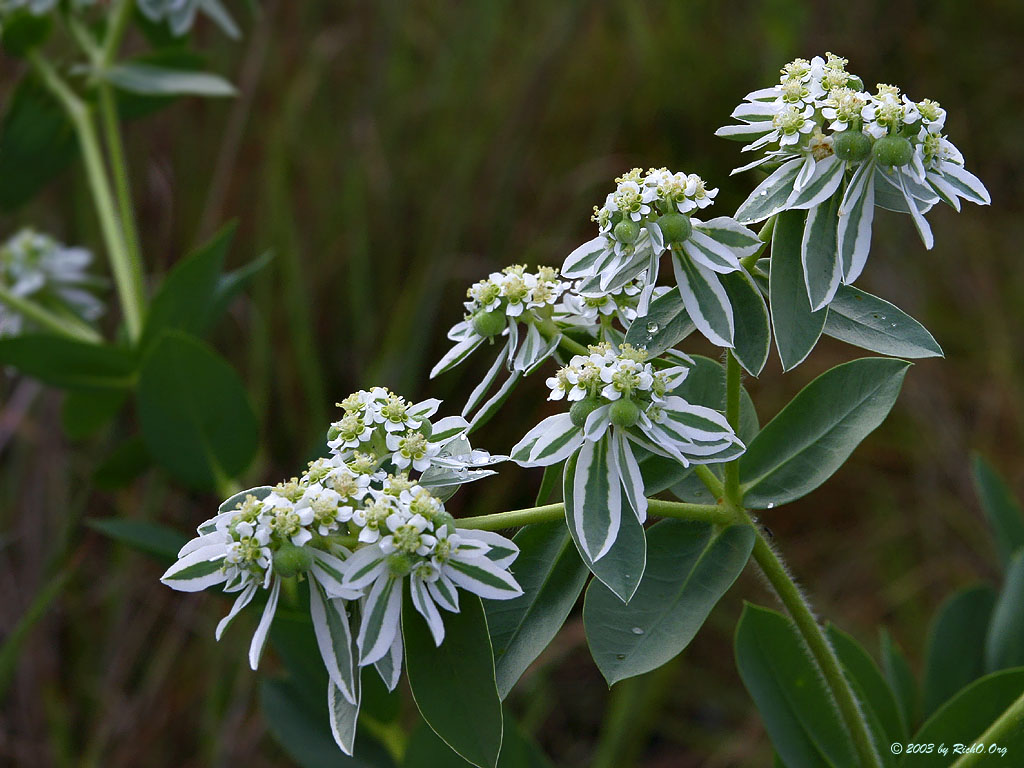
x: 581, y: 409
x: 626, y: 231
x: 893, y: 151
x: 675, y: 227
x: 291, y: 560
x: 851, y: 145
x: 624, y: 413
x: 489, y: 323
x: 400, y: 564
x: 442, y: 519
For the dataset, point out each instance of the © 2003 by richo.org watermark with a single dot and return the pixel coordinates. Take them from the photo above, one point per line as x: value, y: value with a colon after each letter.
x: 976, y: 748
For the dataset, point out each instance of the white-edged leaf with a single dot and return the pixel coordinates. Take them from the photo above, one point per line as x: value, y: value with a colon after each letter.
x: 150, y: 80
x: 822, y: 184
x: 629, y: 473
x: 856, y: 213
x: 819, y: 253
x: 259, y: 638
x: 705, y: 300
x: 581, y: 262
x: 967, y: 185
x: 344, y: 714
x: 380, y: 620
x: 710, y: 253
x: 923, y: 228
x: 334, y: 639
x: 456, y: 354
x: 771, y: 195
x: 730, y: 233
x: 481, y: 389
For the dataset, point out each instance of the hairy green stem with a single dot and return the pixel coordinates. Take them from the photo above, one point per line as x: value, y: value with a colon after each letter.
x: 44, y: 318
x: 1005, y: 726
x: 519, y: 517
x: 787, y: 590
x: 127, y: 276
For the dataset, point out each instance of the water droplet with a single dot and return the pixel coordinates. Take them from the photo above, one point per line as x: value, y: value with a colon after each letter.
x: 652, y: 328
x: 764, y: 192
x: 771, y: 505
x: 620, y: 656
x: 894, y: 325
x: 637, y: 631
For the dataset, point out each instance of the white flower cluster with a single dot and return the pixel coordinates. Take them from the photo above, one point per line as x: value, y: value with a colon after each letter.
x: 36, y: 267
x: 354, y: 533
x: 590, y: 309
x: 620, y: 400
x: 817, y: 124
x: 641, y: 197
x: 611, y: 374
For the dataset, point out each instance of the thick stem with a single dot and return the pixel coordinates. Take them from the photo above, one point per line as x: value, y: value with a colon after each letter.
x: 820, y: 648
x: 1004, y: 727
x: 48, y: 320
x: 520, y: 517
x: 128, y: 286
x: 788, y: 591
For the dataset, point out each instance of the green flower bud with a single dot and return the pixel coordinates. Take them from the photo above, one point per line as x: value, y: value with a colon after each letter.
x: 489, y: 323
x: 624, y: 413
x: 581, y: 409
x: 893, y: 151
x: 425, y: 428
x: 851, y: 145
x: 675, y: 227
x: 855, y: 83
x: 400, y: 564
x: 332, y: 433
x: 442, y: 519
x: 291, y: 560
x: 626, y: 231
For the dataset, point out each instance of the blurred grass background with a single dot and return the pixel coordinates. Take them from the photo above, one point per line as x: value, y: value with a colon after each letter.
x: 390, y: 154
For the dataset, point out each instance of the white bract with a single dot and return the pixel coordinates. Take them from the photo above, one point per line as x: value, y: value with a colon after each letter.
x: 514, y: 305
x: 36, y: 267
x: 647, y: 213
x: 837, y: 152
x: 619, y: 401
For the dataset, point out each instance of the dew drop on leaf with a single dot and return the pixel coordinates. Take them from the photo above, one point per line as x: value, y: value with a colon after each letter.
x: 652, y: 328
x: 771, y: 505
x: 637, y: 631
x: 620, y: 656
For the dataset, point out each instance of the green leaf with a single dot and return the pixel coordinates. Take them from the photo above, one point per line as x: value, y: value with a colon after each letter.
x: 705, y: 299
x: 967, y: 716
x: 819, y: 253
x: 900, y: 677
x: 811, y: 437
x: 133, y: 106
x: 753, y: 337
x: 552, y: 576
x: 798, y: 711
x: 84, y: 412
x: 186, y: 296
x: 956, y: 644
x: 872, y: 690
x: 454, y: 684
x: 124, y: 463
x: 689, y: 568
x: 154, y: 539
x: 1002, y: 510
x: 797, y: 329
x: 872, y: 323
x: 1004, y: 645
x: 151, y: 80
x: 37, y: 142
x: 425, y: 750
x: 69, y: 364
x: 623, y: 565
x: 664, y: 326
x: 22, y: 30
x: 194, y: 412
x: 230, y: 285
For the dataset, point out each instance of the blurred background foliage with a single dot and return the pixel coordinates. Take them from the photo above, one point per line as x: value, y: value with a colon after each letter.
x: 390, y: 154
